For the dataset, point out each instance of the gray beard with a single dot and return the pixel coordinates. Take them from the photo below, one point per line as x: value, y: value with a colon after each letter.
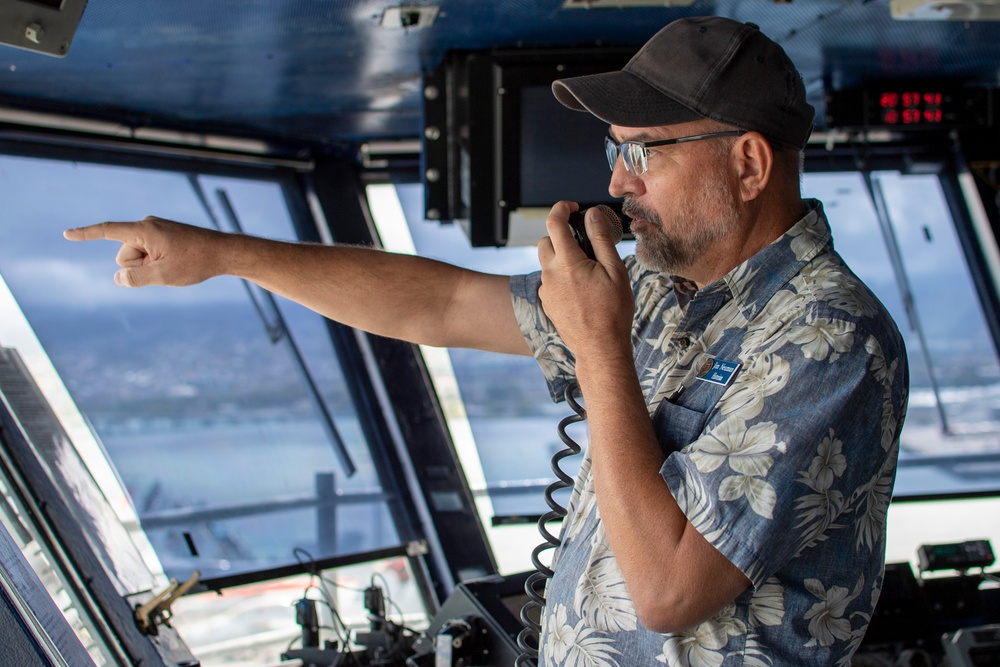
x: 673, y: 253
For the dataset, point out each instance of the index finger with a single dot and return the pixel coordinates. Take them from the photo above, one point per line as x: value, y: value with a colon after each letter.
x: 557, y: 224
x: 111, y: 231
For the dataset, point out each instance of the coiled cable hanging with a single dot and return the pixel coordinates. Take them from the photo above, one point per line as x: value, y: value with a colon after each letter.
x: 534, y: 586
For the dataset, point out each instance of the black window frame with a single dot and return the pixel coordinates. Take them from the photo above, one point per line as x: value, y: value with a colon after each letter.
x: 331, y: 182
x: 943, y: 155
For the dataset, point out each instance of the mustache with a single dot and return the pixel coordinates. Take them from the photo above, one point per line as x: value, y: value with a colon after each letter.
x: 634, y: 210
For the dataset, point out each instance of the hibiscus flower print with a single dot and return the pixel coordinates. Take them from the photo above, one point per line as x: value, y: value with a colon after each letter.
x: 828, y: 463
x: 821, y: 339
x: 762, y: 377
x: 700, y: 646
x: 826, y: 617
x: 747, y: 450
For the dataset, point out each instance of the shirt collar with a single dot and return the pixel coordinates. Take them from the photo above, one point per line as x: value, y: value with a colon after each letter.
x: 757, y: 279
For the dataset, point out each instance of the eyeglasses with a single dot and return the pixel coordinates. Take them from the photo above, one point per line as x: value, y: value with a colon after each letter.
x: 634, y: 152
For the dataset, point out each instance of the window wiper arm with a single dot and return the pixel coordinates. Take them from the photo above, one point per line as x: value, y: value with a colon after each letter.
x: 276, y: 327
x: 877, y: 196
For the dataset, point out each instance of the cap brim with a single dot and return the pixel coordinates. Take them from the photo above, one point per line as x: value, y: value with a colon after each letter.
x: 621, y: 98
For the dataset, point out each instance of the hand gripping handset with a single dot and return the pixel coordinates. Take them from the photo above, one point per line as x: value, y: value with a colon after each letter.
x: 580, y: 231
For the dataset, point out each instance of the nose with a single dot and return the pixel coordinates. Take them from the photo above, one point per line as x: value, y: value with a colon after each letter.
x: 622, y: 182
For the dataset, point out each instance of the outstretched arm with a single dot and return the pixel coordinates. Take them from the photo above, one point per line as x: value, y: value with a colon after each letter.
x: 399, y: 296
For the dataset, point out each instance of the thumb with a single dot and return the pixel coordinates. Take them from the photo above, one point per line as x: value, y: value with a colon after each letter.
x: 134, y: 276
x: 604, y: 228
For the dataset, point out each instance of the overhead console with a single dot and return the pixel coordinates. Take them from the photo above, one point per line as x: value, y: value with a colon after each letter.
x: 499, y: 149
x: 44, y: 26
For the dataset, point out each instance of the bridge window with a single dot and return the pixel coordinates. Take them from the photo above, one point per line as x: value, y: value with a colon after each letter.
x: 224, y: 410
x: 911, y: 257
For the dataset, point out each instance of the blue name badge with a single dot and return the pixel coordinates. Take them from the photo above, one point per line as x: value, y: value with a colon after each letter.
x: 721, y: 372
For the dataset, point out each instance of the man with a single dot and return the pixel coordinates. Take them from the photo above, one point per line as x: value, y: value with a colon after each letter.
x: 744, y: 390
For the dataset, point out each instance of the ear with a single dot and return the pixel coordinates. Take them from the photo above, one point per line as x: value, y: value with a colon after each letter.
x: 753, y: 161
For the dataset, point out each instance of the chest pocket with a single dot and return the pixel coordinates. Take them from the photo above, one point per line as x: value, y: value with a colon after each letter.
x: 680, y: 423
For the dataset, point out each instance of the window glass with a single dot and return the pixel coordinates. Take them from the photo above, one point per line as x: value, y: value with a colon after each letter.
x: 960, y: 353
x: 498, y: 406
x: 949, y: 438
x: 503, y: 397
x: 199, y: 399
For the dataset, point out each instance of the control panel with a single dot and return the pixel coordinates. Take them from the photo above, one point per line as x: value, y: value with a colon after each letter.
x: 958, y: 556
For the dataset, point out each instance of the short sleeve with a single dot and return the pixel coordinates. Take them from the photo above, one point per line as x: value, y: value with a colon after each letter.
x: 554, y: 358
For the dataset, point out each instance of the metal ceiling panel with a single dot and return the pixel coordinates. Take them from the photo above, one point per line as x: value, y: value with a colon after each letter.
x: 326, y: 73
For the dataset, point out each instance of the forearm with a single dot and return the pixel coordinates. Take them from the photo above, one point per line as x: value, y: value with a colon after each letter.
x: 399, y: 296
x: 676, y: 578
x: 415, y: 299
x: 643, y: 523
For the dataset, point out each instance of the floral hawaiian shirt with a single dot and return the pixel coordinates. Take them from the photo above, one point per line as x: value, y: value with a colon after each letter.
x: 781, y: 450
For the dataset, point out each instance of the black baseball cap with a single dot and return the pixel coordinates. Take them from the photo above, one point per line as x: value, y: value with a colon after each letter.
x: 696, y: 68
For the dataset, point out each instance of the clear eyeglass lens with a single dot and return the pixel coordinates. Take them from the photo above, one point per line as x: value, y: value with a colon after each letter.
x: 634, y: 154
x: 612, y: 150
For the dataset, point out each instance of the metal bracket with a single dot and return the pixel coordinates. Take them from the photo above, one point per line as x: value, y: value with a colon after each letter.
x: 156, y: 612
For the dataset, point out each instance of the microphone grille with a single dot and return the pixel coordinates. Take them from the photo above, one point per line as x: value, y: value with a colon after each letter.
x: 613, y: 221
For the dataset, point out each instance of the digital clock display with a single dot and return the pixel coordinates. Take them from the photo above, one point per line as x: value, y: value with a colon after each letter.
x: 911, y: 107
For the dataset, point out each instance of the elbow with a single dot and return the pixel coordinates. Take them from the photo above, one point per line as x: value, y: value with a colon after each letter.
x: 663, y: 611
x: 665, y: 618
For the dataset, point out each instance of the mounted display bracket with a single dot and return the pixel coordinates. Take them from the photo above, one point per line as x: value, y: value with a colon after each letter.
x: 45, y: 26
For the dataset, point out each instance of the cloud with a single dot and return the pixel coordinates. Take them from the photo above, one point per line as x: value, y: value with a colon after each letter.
x: 56, y: 282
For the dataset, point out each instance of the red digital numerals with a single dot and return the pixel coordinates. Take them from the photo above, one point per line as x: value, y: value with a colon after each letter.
x: 910, y: 108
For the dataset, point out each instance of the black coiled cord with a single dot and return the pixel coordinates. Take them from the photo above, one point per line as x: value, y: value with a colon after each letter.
x: 535, y: 584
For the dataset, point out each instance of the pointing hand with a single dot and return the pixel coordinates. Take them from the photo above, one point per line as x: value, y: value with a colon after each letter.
x: 158, y: 252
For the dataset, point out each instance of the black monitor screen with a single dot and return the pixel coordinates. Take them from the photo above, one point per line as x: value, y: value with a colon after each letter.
x: 497, y: 141
x: 562, y: 151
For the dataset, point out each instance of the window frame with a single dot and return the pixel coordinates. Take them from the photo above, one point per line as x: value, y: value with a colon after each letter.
x: 297, y: 181
x: 938, y: 155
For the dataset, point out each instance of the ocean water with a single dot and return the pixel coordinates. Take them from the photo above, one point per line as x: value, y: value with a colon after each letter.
x: 170, y: 466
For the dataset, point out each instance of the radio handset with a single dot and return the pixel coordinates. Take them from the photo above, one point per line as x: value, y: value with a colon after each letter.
x: 580, y: 231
